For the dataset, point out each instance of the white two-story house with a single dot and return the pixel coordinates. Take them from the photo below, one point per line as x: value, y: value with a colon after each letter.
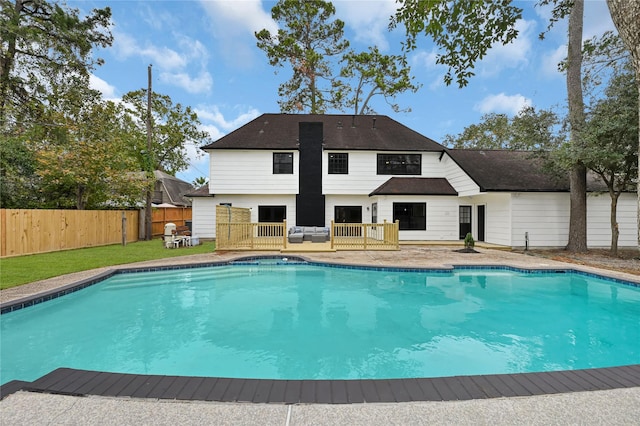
x: 312, y: 169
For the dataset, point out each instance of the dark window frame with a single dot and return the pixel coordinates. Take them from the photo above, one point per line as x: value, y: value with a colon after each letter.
x: 271, y: 211
x: 338, y: 163
x: 404, y: 213
x: 399, y: 164
x: 281, y: 167
x: 346, y: 214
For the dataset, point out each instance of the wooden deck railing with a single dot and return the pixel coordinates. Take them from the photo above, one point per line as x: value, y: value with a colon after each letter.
x: 273, y: 236
x: 251, y: 236
x: 365, y: 236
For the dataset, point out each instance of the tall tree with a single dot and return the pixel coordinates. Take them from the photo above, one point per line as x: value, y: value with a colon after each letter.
x: 529, y: 130
x: 626, y: 18
x: 40, y: 39
x: 578, y: 174
x: 465, y: 30
x: 174, y: 128
x: 611, y: 144
x: 307, y: 41
x: 376, y: 74
x: 82, y: 157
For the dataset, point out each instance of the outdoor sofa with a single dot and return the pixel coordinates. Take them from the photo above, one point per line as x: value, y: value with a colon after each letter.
x: 316, y: 234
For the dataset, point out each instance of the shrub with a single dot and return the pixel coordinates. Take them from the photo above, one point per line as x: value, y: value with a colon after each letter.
x: 469, y: 243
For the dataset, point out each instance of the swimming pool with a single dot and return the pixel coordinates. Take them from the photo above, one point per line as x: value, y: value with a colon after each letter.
x: 306, y: 321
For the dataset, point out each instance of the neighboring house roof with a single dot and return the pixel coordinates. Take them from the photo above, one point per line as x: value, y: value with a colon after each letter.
x: 203, y: 191
x: 340, y: 132
x: 172, y: 189
x: 415, y: 186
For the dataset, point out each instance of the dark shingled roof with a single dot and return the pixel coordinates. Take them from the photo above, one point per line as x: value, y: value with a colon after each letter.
x: 340, y: 132
x: 518, y: 171
x: 505, y: 170
x: 415, y: 186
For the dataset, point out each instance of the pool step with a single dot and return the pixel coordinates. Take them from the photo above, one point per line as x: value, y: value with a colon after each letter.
x: 125, y: 281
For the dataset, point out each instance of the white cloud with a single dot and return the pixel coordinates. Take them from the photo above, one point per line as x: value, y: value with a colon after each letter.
x: 501, y: 103
x: 369, y: 19
x: 202, y: 83
x: 108, y: 91
x: 233, y: 24
x: 126, y: 46
x: 242, y: 16
x: 550, y: 61
x: 213, y: 114
x: 512, y: 55
x: 174, y: 66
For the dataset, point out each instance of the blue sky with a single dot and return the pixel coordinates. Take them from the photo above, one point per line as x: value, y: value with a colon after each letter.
x: 204, y: 55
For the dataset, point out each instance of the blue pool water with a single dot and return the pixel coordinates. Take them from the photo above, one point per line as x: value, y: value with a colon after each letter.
x: 318, y: 322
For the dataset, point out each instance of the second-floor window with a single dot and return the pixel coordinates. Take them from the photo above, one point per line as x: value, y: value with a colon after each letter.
x: 399, y: 164
x: 338, y: 164
x: 282, y: 163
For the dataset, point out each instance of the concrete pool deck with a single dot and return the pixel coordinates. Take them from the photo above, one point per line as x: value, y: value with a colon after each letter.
x: 615, y: 406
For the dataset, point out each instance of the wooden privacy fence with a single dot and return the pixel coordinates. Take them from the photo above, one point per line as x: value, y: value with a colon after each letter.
x: 39, y: 231
x: 160, y: 216
x: 365, y: 236
x: 235, y: 231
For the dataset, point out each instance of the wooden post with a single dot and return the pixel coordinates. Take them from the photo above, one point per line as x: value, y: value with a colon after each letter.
x: 331, y: 236
x: 284, y: 233
x: 364, y: 234
x: 124, y: 229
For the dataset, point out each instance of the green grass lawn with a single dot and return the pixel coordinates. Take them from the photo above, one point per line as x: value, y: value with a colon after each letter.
x: 19, y: 270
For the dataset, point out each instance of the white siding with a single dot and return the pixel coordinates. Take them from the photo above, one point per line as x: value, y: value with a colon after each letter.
x: 363, y: 178
x: 246, y: 201
x: 599, y: 222
x: 497, y: 216
x: 203, y: 217
x: 442, y: 217
x: 249, y: 172
x: 331, y: 201
x: 544, y: 216
x: 458, y: 178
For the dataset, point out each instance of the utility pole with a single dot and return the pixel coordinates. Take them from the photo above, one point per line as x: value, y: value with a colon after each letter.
x: 149, y: 166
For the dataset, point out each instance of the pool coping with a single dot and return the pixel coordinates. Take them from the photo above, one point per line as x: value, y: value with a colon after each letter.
x: 76, y: 382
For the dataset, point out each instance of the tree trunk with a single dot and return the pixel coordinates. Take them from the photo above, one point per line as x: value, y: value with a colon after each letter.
x: 7, y: 60
x: 578, y: 210
x: 615, y: 232
x: 626, y: 17
x: 81, y: 198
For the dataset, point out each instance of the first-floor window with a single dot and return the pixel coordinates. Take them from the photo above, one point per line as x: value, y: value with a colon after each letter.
x: 412, y: 216
x: 348, y: 214
x: 272, y: 213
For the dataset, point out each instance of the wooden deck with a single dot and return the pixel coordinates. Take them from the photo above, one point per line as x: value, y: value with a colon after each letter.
x: 308, y: 247
x: 82, y: 382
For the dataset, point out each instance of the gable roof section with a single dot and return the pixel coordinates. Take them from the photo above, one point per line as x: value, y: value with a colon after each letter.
x: 506, y: 170
x: 415, y: 186
x: 203, y: 191
x: 340, y: 132
x: 174, y: 188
